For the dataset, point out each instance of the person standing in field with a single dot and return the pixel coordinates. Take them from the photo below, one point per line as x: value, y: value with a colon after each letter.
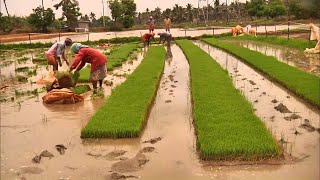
x: 56, y: 52
x: 151, y: 24
x: 146, y: 39
x: 167, y: 23
x: 97, y: 60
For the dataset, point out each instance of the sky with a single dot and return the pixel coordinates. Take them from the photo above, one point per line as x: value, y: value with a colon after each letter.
x: 24, y: 7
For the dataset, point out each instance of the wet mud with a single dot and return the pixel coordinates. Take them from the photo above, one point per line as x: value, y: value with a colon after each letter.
x: 306, y: 62
x: 272, y: 105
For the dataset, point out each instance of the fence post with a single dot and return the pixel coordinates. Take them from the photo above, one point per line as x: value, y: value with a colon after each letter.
x: 185, y: 33
x: 275, y: 28
x: 88, y: 36
x: 212, y: 31
x: 288, y: 29
x: 256, y: 28
x: 265, y: 27
x: 29, y: 38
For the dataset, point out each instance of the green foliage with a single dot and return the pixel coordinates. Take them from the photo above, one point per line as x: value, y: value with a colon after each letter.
x: 21, y: 78
x: 127, y: 21
x: 225, y: 123
x: 299, y: 82
x: 124, y: 10
x: 41, y: 19
x: 304, y: 8
x: 6, y: 25
x: 116, y: 9
x: 26, y: 93
x: 81, y: 89
x: 70, y: 11
x: 256, y: 8
x: 300, y: 44
x: 274, y: 9
x: 124, y: 114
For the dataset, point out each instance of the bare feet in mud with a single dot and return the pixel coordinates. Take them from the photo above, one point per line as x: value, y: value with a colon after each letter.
x: 61, y: 148
x: 282, y: 108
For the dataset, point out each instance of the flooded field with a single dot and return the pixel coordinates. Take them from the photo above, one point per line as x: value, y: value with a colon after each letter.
x: 167, y: 146
x: 306, y: 62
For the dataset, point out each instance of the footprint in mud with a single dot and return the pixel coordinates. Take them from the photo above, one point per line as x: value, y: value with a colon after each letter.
x: 46, y: 153
x: 282, y: 108
x: 113, y: 154
x: 173, y: 86
x: 168, y: 101
x: 171, y: 77
x: 287, y: 96
x: 108, y: 83
x: 175, y: 81
x: 153, y: 140
x: 252, y: 83
x: 171, y: 91
x: 147, y: 150
x: 130, y: 165
x: 272, y: 118
x: 165, y: 89
x: 256, y: 101
x: 36, y: 159
x: 292, y: 117
x: 243, y: 79
x: 306, y: 125
x: 264, y: 93
x: 117, y: 176
x: 61, y: 148
x: 274, y: 101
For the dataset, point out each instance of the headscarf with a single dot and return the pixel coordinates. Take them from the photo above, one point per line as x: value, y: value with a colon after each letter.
x: 67, y: 41
x: 76, y: 47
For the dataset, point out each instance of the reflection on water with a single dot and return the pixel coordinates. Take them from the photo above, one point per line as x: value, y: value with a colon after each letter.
x: 307, y: 62
x: 169, y: 55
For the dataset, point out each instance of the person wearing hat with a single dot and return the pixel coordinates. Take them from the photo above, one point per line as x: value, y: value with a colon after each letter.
x: 86, y: 54
x: 151, y: 24
x: 165, y: 36
x: 56, y: 52
x: 146, y: 39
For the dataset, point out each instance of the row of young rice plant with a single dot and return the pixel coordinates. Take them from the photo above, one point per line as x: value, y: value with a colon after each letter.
x: 299, y: 82
x: 126, y: 110
x: 300, y: 44
x: 226, y: 126
x: 115, y: 59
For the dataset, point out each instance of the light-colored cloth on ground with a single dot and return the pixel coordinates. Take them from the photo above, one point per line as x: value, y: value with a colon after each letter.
x: 315, y: 35
x: 248, y: 27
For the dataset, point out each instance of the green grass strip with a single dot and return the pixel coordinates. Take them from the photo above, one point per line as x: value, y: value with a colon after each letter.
x: 80, y: 89
x: 225, y: 123
x: 115, y: 59
x: 299, y: 82
x: 125, y: 112
x: 300, y: 44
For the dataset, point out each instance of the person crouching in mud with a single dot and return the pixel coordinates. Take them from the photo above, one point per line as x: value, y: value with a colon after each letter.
x: 97, y: 60
x: 56, y: 52
x: 146, y: 39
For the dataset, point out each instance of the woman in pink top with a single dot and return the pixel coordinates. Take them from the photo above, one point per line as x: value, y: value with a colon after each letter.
x: 57, y: 50
x: 89, y: 55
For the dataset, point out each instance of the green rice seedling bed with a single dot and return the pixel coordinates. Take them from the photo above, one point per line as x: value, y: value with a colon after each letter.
x: 300, y: 44
x: 126, y: 110
x: 115, y: 59
x: 226, y: 126
x: 299, y: 82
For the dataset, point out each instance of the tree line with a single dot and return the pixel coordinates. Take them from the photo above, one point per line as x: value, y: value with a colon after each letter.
x: 124, y: 15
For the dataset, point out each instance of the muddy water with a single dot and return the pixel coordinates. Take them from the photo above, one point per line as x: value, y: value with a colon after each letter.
x: 30, y: 127
x: 307, y: 62
x: 260, y: 92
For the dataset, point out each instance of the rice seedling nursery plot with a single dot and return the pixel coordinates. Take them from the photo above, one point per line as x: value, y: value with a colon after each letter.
x: 116, y: 58
x: 301, y: 83
x: 300, y: 44
x: 125, y: 112
x: 225, y: 123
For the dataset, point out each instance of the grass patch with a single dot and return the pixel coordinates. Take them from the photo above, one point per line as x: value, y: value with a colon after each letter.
x: 115, y: 59
x: 40, y: 61
x: 21, y: 78
x: 125, y: 112
x: 26, y: 93
x: 81, y: 89
x: 300, y: 44
x: 22, y: 59
x: 225, y: 123
x: 299, y: 82
x: 22, y: 69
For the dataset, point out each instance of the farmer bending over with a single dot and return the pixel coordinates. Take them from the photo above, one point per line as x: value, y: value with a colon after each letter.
x: 56, y: 51
x: 146, y: 39
x: 97, y: 60
x: 165, y: 36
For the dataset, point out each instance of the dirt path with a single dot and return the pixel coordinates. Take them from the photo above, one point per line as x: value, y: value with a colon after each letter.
x: 33, y: 36
x: 267, y: 97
